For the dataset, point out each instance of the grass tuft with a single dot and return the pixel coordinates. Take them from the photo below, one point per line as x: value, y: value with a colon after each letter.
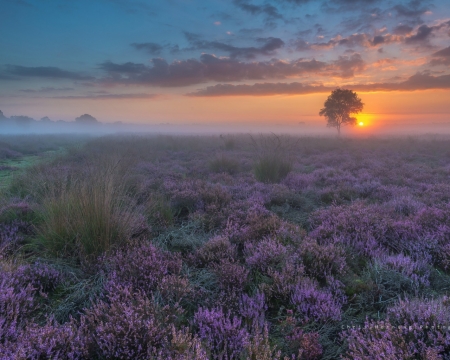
x: 86, y: 212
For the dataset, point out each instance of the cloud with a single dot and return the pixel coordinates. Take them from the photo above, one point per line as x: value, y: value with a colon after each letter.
x: 108, y: 96
x: 351, y: 41
x: 443, y: 53
x: 346, y: 66
x: 268, y: 47
x: 149, y: 47
x: 224, y: 69
x: 402, y: 30
x: 45, y: 72
x: 259, y: 89
x: 423, y: 34
x: 442, y: 57
x: 419, y: 81
x: 46, y: 90
x: 413, y: 9
x: 269, y: 11
x: 213, y: 68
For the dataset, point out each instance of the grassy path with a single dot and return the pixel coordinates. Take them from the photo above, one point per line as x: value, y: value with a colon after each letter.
x: 9, y: 167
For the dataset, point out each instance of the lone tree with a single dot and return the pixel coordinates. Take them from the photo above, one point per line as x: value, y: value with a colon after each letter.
x: 86, y: 119
x: 338, y: 107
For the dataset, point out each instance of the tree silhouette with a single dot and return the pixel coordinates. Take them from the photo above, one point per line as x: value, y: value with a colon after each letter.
x: 86, y: 119
x: 338, y: 107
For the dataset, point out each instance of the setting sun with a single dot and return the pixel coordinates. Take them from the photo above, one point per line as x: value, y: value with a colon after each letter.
x: 361, y: 123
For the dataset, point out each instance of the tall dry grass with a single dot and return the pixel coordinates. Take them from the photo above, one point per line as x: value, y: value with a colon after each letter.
x: 275, y: 160
x: 84, y: 210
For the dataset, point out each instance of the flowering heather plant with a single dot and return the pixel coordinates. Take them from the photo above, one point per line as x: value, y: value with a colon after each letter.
x: 284, y: 280
x: 182, y: 345
x: 193, y: 195
x: 299, y: 182
x: 307, y: 344
x: 252, y: 224
x: 50, y: 341
x: 223, y: 334
x: 17, y: 303
x: 314, y: 304
x: 415, y: 328
x: 377, y: 340
x: 215, y: 249
x: 143, y: 266
x: 253, y: 309
x: 259, y: 347
x: 322, y: 260
x: 231, y: 275
x: 416, y: 270
x: 11, y: 236
x: 126, y: 326
x: 363, y: 228
x: 425, y: 312
x: 174, y: 289
x: 265, y: 254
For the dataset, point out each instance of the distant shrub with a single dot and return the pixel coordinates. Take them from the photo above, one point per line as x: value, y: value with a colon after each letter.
x: 274, y: 158
x: 224, y: 163
x: 229, y: 142
x: 272, y: 169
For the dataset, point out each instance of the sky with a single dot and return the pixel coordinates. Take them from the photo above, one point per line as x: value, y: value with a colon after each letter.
x: 225, y: 61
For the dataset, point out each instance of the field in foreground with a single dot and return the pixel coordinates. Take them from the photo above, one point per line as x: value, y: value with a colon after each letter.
x: 226, y: 247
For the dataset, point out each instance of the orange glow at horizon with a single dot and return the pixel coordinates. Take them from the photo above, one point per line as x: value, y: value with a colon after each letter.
x: 382, y: 110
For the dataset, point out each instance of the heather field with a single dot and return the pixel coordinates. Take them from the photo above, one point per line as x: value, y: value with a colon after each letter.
x: 224, y: 247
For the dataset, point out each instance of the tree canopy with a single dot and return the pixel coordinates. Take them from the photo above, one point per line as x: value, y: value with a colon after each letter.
x: 339, y: 106
x: 86, y: 119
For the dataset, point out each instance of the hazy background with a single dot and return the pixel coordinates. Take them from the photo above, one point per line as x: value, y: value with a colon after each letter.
x: 236, y: 65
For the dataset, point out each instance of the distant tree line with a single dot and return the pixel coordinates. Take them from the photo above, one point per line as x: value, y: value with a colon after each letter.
x: 22, y: 120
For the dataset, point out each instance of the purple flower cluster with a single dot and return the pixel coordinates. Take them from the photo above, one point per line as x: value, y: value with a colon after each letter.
x: 253, y: 308
x: 416, y: 270
x: 314, y: 304
x: 143, y: 266
x: 223, y: 333
x: 11, y: 236
x: 413, y: 328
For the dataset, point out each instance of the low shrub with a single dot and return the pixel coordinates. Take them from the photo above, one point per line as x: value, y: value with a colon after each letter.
x: 272, y: 169
x: 224, y: 163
